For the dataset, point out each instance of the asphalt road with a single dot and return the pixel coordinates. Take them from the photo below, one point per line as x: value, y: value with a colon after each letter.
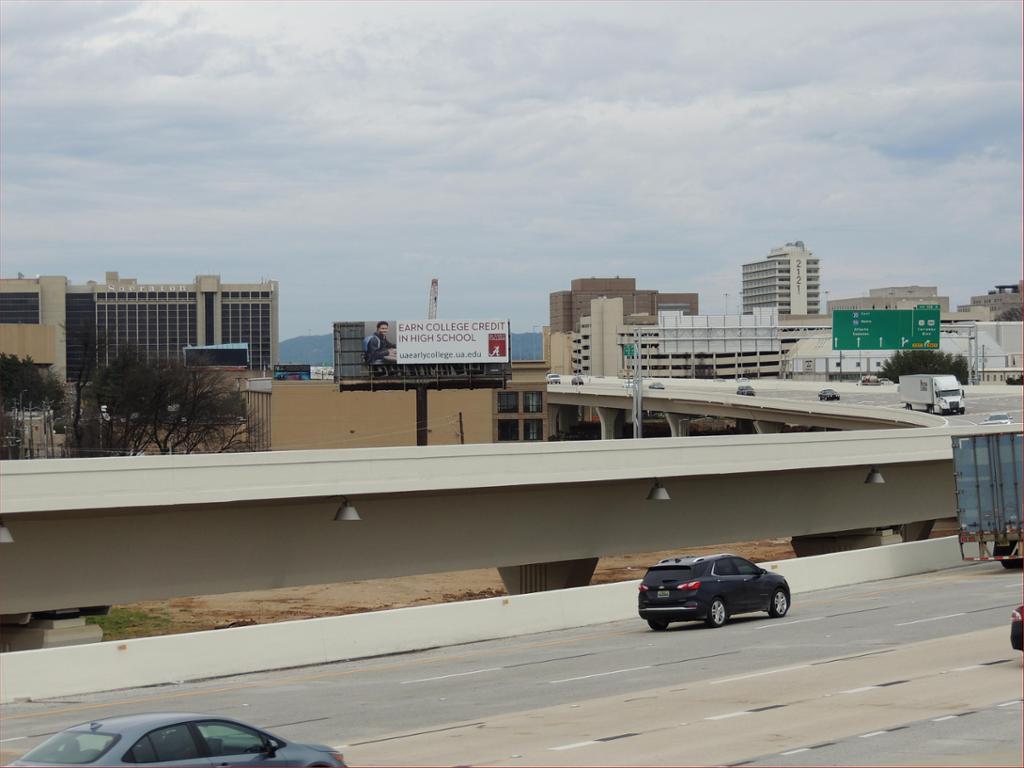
x: 915, y: 670
x: 981, y: 401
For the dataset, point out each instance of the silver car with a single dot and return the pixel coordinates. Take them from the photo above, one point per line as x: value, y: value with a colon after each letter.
x: 173, y: 738
x: 996, y: 418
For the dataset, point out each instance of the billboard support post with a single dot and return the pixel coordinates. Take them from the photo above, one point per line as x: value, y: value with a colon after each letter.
x: 421, y: 415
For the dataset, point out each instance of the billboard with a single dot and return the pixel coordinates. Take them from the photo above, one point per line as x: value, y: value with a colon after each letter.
x: 451, y: 341
x: 292, y: 372
x: 414, y: 352
x: 233, y: 356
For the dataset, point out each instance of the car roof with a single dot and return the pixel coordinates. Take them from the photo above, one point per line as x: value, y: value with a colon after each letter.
x: 143, y: 721
x: 692, y: 559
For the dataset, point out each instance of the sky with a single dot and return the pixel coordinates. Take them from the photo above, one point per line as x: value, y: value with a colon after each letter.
x: 353, y: 151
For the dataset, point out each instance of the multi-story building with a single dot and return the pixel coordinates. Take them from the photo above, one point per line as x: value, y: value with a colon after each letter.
x: 997, y: 301
x: 567, y: 307
x: 893, y: 297
x: 789, y: 280
x: 160, y: 320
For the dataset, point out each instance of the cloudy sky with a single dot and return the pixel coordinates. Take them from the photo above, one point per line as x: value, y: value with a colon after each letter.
x: 353, y: 151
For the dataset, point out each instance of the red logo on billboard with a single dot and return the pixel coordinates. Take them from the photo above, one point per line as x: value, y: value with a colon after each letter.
x: 497, y: 345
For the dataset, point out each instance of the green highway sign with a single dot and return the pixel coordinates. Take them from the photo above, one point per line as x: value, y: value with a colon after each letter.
x: 628, y: 350
x: 886, y: 328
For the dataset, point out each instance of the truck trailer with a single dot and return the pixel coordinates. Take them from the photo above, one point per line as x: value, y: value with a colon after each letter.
x: 931, y: 393
x: 988, y: 474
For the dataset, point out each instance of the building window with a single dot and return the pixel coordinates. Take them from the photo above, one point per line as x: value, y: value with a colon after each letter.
x: 533, y: 402
x: 533, y: 429
x: 508, y: 430
x: 508, y: 402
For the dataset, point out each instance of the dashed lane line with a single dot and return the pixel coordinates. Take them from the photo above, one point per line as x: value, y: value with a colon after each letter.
x: 454, y: 674
x: 599, y: 674
x: 933, y: 618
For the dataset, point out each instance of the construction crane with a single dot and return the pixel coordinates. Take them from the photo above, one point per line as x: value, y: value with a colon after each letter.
x: 432, y: 301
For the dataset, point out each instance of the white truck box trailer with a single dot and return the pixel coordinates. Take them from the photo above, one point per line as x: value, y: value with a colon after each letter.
x: 932, y: 393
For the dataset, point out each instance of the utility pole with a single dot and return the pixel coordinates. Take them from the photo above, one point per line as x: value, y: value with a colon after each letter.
x: 638, y: 386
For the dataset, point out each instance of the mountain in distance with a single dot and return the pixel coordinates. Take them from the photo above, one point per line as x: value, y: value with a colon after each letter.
x: 319, y: 350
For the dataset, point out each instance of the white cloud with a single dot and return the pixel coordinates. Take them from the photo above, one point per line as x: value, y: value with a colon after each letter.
x: 507, y: 148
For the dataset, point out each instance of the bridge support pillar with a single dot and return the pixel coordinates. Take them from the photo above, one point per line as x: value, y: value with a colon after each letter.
x: 562, y: 418
x: 49, y: 633
x: 917, y: 531
x: 611, y: 422
x: 541, y: 577
x: 767, y: 427
x: 843, y: 541
x: 745, y: 426
x: 678, y: 424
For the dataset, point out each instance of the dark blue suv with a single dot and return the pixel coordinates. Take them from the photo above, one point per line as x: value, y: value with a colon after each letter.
x: 712, y: 588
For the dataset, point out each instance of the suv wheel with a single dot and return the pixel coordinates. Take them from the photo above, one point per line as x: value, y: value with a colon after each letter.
x: 717, y: 614
x: 657, y: 625
x: 779, y: 604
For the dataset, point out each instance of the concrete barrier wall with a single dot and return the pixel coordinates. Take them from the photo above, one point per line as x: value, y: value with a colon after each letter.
x: 51, y: 672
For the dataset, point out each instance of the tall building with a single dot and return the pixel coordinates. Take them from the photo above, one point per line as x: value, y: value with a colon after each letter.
x: 160, y: 320
x: 567, y: 307
x: 789, y: 280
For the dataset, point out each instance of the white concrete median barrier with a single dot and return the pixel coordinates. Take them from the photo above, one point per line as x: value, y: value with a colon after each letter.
x: 46, y: 673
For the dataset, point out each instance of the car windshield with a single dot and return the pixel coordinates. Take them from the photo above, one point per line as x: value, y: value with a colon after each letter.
x: 949, y: 393
x: 998, y: 417
x: 73, y: 748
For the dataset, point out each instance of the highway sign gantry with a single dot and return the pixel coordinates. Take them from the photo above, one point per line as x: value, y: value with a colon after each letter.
x: 918, y: 328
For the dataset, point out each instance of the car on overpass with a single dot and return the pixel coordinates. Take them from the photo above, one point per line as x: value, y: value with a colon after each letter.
x: 173, y: 738
x: 994, y: 419
x: 828, y: 394
x: 745, y: 389
x: 710, y: 588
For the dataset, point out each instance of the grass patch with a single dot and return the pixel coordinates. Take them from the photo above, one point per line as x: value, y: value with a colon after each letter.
x: 122, y: 623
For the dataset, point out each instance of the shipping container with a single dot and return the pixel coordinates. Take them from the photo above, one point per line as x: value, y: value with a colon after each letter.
x: 988, y: 475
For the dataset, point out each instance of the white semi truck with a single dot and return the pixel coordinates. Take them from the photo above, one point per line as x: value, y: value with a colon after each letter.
x: 931, y: 393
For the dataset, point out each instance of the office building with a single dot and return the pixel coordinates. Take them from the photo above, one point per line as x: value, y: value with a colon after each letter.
x: 789, y: 281
x: 998, y: 300
x: 567, y: 307
x: 159, y: 320
x: 892, y: 297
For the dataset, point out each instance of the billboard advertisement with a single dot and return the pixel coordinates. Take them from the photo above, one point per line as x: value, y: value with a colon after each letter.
x: 451, y: 341
x: 430, y: 342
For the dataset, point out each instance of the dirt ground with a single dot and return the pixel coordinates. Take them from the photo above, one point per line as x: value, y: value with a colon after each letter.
x: 190, y: 614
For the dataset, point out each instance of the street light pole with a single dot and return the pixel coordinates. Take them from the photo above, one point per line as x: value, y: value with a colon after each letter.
x: 638, y: 386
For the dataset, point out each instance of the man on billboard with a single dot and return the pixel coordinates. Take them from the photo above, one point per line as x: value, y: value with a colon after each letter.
x: 378, y: 349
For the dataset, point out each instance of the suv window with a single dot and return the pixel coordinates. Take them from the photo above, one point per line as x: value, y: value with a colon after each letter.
x: 669, y: 573
x: 724, y: 567
x: 745, y: 567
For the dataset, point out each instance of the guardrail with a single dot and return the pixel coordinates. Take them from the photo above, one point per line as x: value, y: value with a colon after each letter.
x: 50, y: 672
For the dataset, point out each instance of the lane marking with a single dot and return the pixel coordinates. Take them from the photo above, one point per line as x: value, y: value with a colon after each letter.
x: 872, y: 734
x: 728, y: 715
x: 933, y: 618
x: 796, y: 751
x: 19, y: 738
x: 861, y: 690
x: 416, y: 733
x: 789, y: 623
x: 599, y: 674
x: 1009, y: 703
x: 577, y: 745
x: 455, y: 674
x: 757, y: 674
x: 943, y: 719
x: 966, y: 669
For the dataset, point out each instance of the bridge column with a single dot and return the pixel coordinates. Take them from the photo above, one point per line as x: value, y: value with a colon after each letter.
x: 917, y: 531
x: 767, y: 427
x: 541, y: 577
x: 678, y: 424
x: 562, y: 418
x: 745, y: 426
x: 843, y: 541
x: 611, y: 422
